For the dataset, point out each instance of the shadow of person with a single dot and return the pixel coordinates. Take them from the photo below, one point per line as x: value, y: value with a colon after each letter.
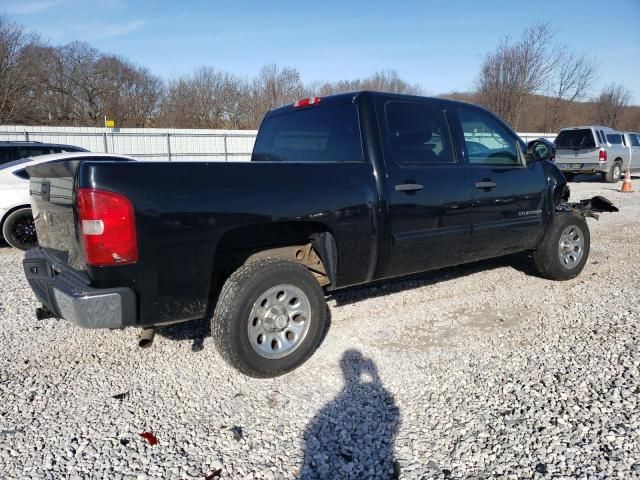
x: 353, y: 435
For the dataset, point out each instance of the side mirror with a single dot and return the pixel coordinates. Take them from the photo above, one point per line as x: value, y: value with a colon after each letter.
x: 540, y: 149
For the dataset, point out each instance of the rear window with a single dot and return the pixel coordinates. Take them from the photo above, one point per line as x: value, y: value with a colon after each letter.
x: 7, y: 154
x: 581, y: 138
x: 614, y: 138
x: 315, y: 134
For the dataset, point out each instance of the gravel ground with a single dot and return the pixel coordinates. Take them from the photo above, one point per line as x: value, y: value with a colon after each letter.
x: 482, y: 371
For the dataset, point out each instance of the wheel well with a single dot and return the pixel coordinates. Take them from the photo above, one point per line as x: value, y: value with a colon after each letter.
x: 619, y: 160
x: 308, y: 243
x: 9, y: 212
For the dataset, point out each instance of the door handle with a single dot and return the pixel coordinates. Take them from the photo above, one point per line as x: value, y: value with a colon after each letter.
x: 408, y: 187
x: 486, y: 184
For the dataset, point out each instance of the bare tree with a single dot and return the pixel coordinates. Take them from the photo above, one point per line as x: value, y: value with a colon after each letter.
x: 611, y: 103
x: 515, y: 71
x: 573, y: 77
x: 380, y: 81
x: 274, y: 86
x: 129, y: 94
x: 78, y: 85
x: 206, y: 99
x: 74, y: 79
x: 16, y: 75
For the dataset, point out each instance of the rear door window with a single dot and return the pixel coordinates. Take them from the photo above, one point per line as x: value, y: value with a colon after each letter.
x: 313, y: 134
x: 418, y: 133
x: 614, y: 138
x: 575, y: 139
x: 635, y: 139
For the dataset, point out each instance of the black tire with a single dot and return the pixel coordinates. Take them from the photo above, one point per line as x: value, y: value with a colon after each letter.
x: 569, y: 176
x: 551, y: 259
x: 230, y: 325
x: 19, y: 230
x: 614, y: 173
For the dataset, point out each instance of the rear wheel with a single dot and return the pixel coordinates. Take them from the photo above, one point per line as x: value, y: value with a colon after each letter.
x: 19, y: 229
x: 614, y: 173
x: 569, y: 176
x: 270, y: 317
x: 565, y: 247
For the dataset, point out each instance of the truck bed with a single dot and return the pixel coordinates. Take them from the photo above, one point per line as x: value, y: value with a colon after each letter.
x: 186, y: 211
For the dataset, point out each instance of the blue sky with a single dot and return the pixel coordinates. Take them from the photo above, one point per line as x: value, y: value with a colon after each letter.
x: 437, y: 44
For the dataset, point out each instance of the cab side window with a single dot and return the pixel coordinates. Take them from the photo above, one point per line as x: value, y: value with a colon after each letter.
x: 418, y: 133
x: 614, y: 138
x: 488, y: 142
x: 34, y: 151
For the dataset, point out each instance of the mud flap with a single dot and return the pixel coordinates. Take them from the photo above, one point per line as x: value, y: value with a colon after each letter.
x: 588, y: 208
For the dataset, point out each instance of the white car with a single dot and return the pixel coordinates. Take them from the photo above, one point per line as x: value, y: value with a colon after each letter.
x: 16, y: 221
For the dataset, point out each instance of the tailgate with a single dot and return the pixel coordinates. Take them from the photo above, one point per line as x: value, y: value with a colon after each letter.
x: 583, y: 155
x: 588, y: 155
x: 52, y: 202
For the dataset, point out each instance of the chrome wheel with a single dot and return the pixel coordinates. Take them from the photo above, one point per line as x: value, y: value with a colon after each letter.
x: 616, y: 172
x: 571, y: 246
x: 279, y: 321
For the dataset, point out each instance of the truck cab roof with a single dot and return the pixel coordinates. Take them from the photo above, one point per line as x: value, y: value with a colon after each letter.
x: 350, y: 97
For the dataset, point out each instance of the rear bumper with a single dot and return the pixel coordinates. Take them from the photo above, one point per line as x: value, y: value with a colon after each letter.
x: 67, y: 293
x: 586, y: 168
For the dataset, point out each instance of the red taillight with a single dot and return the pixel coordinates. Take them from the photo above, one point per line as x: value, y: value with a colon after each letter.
x: 108, y: 227
x: 602, y: 156
x: 305, y: 102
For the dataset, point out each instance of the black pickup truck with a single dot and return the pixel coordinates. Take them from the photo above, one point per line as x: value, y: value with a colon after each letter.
x: 340, y: 191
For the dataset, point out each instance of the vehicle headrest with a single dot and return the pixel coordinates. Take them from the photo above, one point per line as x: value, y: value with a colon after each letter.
x: 416, y: 137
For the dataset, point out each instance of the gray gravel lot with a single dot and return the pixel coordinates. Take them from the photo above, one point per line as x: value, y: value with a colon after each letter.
x: 472, y: 372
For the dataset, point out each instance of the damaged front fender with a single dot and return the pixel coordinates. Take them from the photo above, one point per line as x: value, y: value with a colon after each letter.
x: 588, y: 208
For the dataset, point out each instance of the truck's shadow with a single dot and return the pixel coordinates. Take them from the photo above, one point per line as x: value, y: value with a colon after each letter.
x: 520, y: 261
x: 198, y: 330
x: 598, y: 178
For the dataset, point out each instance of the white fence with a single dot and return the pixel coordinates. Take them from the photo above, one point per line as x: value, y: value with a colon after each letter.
x: 528, y: 136
x: 157, y: 143
x: 144, y: 143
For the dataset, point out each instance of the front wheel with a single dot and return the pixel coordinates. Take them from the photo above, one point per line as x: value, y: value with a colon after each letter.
x: 19, y: 229
x: 270, y: 317
x: 565, y: 247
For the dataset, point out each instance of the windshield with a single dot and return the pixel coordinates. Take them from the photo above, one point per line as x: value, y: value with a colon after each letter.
x: 580, y: 138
